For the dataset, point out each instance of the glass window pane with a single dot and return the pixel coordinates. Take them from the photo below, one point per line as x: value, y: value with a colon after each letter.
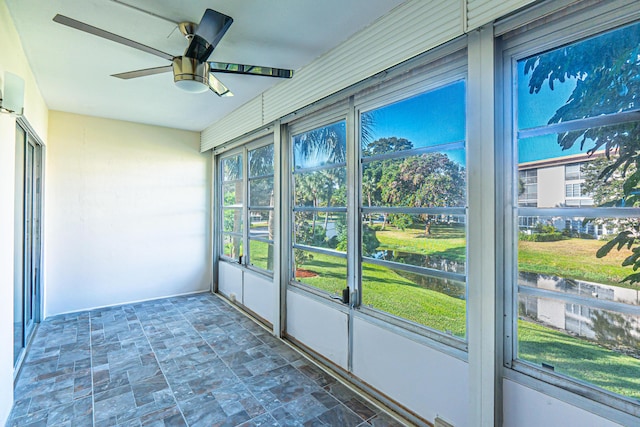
x: 321, y: 188
x: 580, y: 80
x: 319, y: 147
x: 432, y: 118
x: 232, y: 220
x: 427, y: 180
x: 261, y: 161
x: 321, y: 229
x: 261, y: 192
x: 433, y: 241
x: 232, y: 194
x: 560, y: 248
x: 232, y: 246
x: 261, y: 224
x: 597, y: 180
x: 261, y: 255
x: 434, y: 302
x: 325, y: 272
x: 593, y: 345
x: 232, y: 168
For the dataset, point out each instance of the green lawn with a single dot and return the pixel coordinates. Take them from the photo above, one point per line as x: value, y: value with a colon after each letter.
x: 579, y: 359
x: 445, y: 241
x: 574, y: 259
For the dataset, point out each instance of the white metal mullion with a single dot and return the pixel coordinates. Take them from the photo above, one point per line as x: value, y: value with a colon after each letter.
x: 481, y: 289
x: 353, y: 223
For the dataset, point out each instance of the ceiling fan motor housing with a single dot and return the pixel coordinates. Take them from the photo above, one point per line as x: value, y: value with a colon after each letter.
x: 190, y: 75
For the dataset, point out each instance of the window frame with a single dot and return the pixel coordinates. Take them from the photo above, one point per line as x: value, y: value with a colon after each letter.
x: 542, y: 36
x: 328, y: 116
x: 434, y: 74
x: 245, y: 235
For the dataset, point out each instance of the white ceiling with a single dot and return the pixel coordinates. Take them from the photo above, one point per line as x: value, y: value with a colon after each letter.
x: 73, y: 69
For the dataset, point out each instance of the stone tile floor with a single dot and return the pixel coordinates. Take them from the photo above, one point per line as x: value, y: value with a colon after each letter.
x: 182, y: 361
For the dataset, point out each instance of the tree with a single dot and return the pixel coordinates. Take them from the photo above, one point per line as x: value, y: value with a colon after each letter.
x: 232, y: 171
x: 373, y: 171
x: 606, y: 70
x: 328, y: 143
x: 428, y: 180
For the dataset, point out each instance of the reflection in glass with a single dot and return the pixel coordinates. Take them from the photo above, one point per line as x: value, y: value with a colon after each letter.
x: 430, y: 301
x: 261, y: 161
x: 321, y: 188
x: 590, y: 344
x: 426, y: 180
x: 321, y: 229
x: 325, y: 272
x: 232, y: 220
x: 261, y: 192
x: 232, y: 246
x: 320, y: 147
x: 232, y: 168
x: 432, y: 118
x: 261, y: 255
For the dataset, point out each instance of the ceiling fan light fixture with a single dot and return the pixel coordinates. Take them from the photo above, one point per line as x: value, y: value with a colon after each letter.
x: 190, y: 75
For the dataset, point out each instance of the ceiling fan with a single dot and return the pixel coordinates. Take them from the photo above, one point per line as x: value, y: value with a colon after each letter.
x: 191, y: 71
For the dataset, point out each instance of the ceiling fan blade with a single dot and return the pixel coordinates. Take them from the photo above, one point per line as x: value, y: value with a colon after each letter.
x: 70, y: 22
x: 212, y: 27
x: 256, y: 70
x: 142, y: 73
x: 216, y: 86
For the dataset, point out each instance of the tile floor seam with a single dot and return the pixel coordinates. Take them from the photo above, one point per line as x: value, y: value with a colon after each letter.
x: 283, y: 404
x: 164, y: 375
x: 224, y: 362
x: 93, y: 395
x: 250, y: 376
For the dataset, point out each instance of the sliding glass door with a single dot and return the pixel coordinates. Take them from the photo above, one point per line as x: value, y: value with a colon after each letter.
x: 27, y: 239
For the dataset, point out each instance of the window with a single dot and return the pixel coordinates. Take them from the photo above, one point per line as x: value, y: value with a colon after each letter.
x: 413, y: 199
x: 232, y: 206
x: 319, y: 214
x: 247, y: 205
x: 261, y: 218
x: 528, y: 187
x: 578, y: 314
x: 573, y: 172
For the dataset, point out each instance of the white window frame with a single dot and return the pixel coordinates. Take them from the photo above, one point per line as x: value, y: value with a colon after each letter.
x: 330, y: 115
x: 431, y: 75
x: 243, y: 150
x: 542, y: 35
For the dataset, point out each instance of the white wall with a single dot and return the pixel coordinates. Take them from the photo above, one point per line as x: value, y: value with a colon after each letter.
x: 525, y: 407
x: 422, y: 379
x: 319, y: 326
x: 12, y: 59
x: 126, y: 213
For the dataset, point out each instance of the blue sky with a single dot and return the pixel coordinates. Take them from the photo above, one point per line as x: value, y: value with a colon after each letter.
x: 535, y: 110
x: 432, y: 118
x: 439, y: 117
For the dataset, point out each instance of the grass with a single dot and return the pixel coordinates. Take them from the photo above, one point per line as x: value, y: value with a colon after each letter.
x: 386, y: 290
x: 574, y: 259
x: 579, y: 358
x: 445, y: 241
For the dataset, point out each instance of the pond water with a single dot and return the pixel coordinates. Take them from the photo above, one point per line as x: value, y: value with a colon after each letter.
x: 622, y: 330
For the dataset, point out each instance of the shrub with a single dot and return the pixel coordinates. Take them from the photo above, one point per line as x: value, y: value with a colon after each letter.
x: 542, y: 237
